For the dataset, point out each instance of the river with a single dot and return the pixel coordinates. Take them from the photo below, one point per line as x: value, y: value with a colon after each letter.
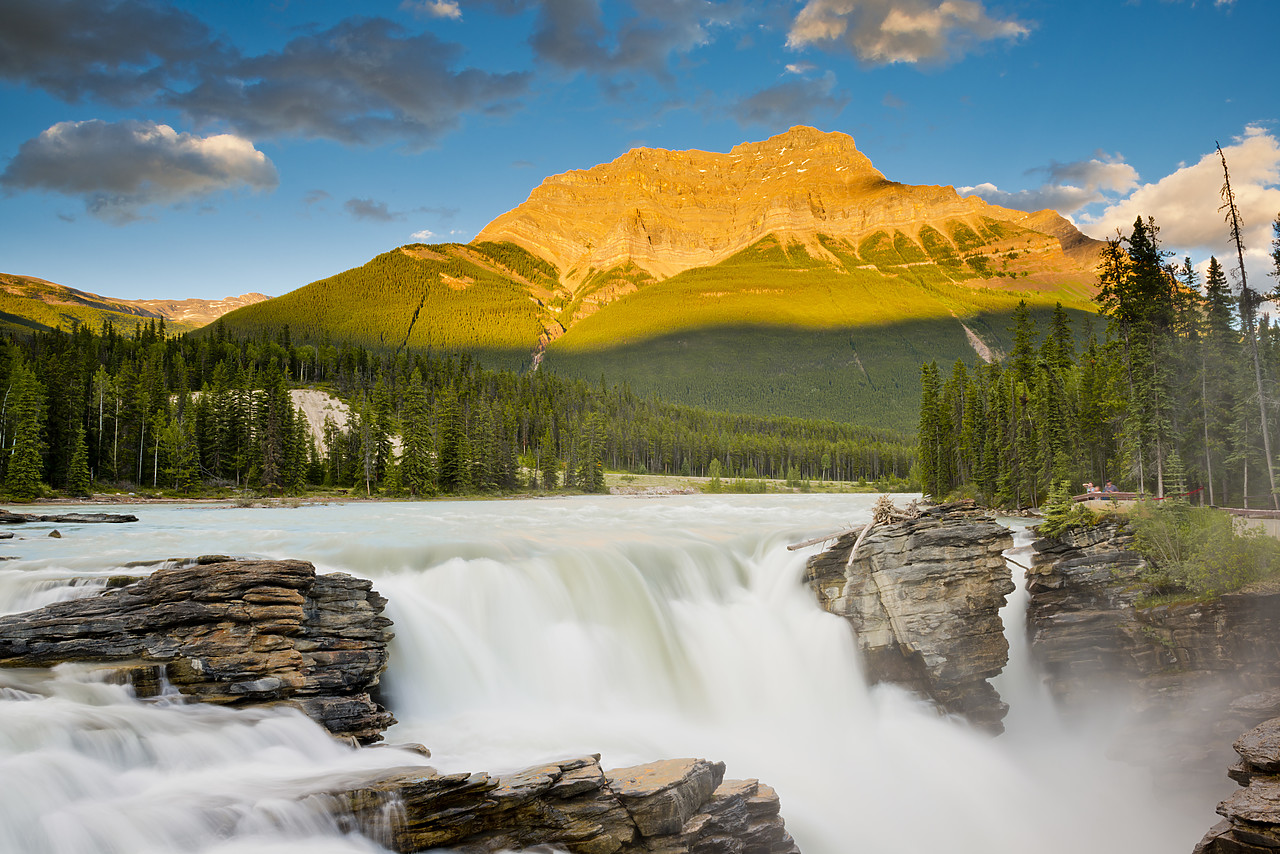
x: 637, y: 628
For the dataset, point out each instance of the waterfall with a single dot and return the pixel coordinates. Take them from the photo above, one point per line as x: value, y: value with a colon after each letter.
x: 531, y: 630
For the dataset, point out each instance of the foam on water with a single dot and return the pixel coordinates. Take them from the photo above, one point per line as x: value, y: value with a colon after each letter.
x: 532, y: 630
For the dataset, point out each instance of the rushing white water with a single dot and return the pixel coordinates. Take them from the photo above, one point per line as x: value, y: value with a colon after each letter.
x: 528, y: 630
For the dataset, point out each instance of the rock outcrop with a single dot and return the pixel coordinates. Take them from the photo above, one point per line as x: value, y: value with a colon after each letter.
x: 668, y: 211
x: 10, y: 518
x: 233, y: 632
x: 678, y: 806
x: 1193, y: 674
x: 1251, y: 816
x: 924, y: 596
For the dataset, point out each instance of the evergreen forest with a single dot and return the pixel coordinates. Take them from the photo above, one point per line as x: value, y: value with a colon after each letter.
x: 203, y: 414
x: 1175, y: 394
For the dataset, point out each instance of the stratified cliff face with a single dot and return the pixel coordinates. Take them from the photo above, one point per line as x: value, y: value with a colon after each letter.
x: 924, y: 596
x: 1192, y: 675
x: 669, y: 211
x: 228, y: 632
x: 1251, y: 816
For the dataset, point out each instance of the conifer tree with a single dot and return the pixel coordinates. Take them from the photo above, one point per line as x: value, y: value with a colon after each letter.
x: 25, y: 471
x: 454, y: 464
x: 548, y: 463
x: 79, y: 479
x: 590, y: 455
x: 417, y: 474
x: 932, y: 448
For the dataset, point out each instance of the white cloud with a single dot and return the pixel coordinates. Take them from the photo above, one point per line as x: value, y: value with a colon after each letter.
x: 1186, y: 204
x: 434, y: 8
x: 423, y: 236
x: 800, y: 67
x: 1070, y: 188
x: 120, y: 168
x: 884, y: 32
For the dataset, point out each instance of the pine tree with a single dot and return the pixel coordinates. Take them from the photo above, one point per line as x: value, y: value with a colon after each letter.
x: 417, y: 473
x: 590, y: 453
x: 25, y: 472
x: 79, y: 480
x: 454, y: 465
x: 548, y: 462
x: 930, y: 436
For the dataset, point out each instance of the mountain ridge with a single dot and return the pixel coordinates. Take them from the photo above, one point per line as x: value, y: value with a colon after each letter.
x: 30, y: 302
x: 668, y: 270
x: 669, y: 211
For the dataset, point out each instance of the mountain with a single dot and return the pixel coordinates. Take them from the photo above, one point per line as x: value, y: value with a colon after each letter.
x: 786, y: 277
x: 28, y: 303
x: 670, y: 211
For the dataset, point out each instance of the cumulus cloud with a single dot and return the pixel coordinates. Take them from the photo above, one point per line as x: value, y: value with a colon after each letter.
x: 434, y: 8
x: 790, y: 103
x: 573, y: 35
x: 884, y: 32
x: 1186, y: 203
x: 359, y: 82
x: 121, y: 52
x: 1070, y: 186
x: 371, y: 210
x: 800, y: 68
x: 363, y: 81
x: 423, y: 236
x: 121, y: 168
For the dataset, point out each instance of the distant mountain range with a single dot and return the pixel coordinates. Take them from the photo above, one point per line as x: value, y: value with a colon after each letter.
x: 786, y: 277
x: 28, y: 303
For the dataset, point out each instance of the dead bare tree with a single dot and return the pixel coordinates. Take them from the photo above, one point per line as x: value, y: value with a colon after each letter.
x: 1248, y: 304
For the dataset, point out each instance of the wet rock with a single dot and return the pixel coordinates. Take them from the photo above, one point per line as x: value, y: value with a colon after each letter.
x: 55, y: 535
x: 1191, y: 676
x: 1251, y: 815
x: 924, y: 597
x: 9, y: 518
x: 679, y: 806
x: 232, y: 632
x: 1260, y: 747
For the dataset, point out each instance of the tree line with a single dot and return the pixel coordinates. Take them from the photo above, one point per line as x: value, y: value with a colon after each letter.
x: 200, y: 412
x: 1177, y: 394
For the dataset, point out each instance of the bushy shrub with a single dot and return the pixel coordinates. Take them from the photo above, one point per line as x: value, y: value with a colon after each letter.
x: 1199, y: 550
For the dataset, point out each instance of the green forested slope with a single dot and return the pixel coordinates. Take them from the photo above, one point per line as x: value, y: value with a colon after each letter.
x: 449, y: 298
x: 836, y: 330
x: 28, y: 304
x: 774, y: 330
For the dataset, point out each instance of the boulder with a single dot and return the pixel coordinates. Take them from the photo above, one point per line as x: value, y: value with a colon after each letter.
x: 679, y: 806
x: 233, y: 632
x: 924, y: 595
x: 9, y: 518
x: 1251, y: 814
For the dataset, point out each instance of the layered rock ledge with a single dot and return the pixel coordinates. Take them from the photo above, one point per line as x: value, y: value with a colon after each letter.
x: 232, y: 632
x: 263, y: 632
x: 1192, y: 675
x: 1251, y: 816
x: 677, y: 806
x: 924, y: 597
x: 8, y: 517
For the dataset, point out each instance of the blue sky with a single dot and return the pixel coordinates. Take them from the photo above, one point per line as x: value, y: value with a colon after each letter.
x: 157, y: 150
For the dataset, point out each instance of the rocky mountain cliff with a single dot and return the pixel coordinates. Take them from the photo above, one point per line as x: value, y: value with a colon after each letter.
x: 670, y: 211
x: 31, y: 302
